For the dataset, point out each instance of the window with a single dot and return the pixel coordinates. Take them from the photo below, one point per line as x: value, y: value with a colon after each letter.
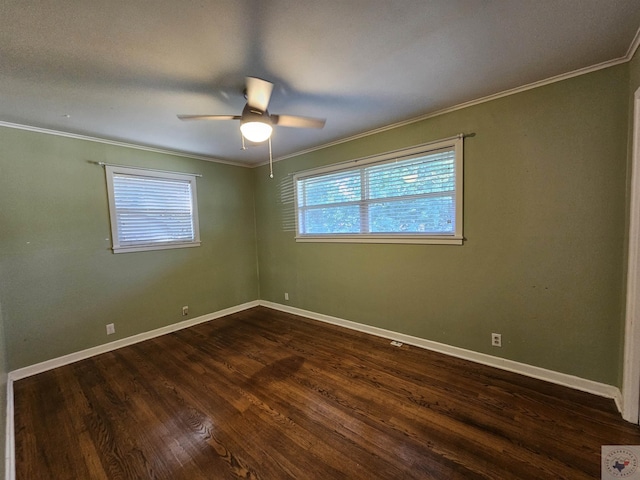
x: 408, y: 196
x: 151, y: 210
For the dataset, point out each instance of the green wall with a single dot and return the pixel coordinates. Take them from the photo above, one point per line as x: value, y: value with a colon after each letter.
x: 60, y: 284
x: 543, y: 263
x: 544, y: 219
x: 546, y: 185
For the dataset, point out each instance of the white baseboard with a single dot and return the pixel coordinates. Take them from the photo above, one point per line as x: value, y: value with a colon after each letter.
x: 600, y: 389
x: 107, y: 347
x: 10, y: 471
x: 603, y: 390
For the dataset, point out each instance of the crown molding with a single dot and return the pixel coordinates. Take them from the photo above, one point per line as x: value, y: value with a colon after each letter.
x: 460, y: 106
x: 633, y: 47
x: 631, y: 51
x: 105, y: 141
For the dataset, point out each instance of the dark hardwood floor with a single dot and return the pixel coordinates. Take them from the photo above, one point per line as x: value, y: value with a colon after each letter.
x: 267, y: 395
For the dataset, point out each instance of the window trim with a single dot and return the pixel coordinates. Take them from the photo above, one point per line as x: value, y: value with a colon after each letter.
x: 456, y: 238
x: 110, y: 170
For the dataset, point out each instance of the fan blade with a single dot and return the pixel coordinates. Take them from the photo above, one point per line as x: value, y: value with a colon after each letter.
x: 258, y: 93
x: 299, y: 122
x: 209, y: 117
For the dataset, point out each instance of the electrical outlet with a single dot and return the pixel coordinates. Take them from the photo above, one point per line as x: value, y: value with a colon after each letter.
x: 185, y: 310
x: 396, y: 343
x: 111, y: 329
x: 496, y: 339
x: 286, y: 296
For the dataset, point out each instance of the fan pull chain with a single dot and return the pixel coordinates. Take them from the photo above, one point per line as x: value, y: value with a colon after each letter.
x: 243, y: 146
x: 270, y: 160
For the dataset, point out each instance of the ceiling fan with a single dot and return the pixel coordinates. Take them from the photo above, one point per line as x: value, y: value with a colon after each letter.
x: 256, y: 123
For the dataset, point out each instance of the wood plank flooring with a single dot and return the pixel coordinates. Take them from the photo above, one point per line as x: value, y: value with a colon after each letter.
x: 267, y: 395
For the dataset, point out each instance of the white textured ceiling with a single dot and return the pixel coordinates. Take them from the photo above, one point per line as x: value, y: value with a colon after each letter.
x: 122, y: 69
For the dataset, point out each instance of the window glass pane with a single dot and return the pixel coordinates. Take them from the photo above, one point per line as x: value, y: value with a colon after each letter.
x: 343, y: 219
x: 429, y: 174
x: 422, y: 215
x: 334, y: 188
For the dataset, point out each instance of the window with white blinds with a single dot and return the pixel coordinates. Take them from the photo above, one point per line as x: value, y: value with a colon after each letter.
x: 408, y: 196
x: 151, y: 210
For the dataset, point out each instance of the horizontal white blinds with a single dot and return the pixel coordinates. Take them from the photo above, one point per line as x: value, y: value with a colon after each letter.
x: 150, y: 210
x: 410, y: 195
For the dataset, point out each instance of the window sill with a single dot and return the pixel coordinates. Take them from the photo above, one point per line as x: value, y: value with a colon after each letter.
x: 145, y: 248
x: 410, y: 239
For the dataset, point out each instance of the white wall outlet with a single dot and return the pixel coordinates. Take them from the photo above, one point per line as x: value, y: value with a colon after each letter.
x: 496, y: 339
x: 396, y: 343
x: 286, y: 296
x: 185, y: 310
x: 111, y: 329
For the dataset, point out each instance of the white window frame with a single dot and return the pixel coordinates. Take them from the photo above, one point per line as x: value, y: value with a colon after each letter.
x: 453, y: 239
x: 110, y: 170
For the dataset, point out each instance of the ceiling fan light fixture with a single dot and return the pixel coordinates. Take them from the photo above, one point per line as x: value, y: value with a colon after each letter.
x: 255, y: 124
x: 256, y: 131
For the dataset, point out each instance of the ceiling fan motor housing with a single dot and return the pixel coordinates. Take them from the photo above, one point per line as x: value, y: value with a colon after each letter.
x: 253, y: 114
